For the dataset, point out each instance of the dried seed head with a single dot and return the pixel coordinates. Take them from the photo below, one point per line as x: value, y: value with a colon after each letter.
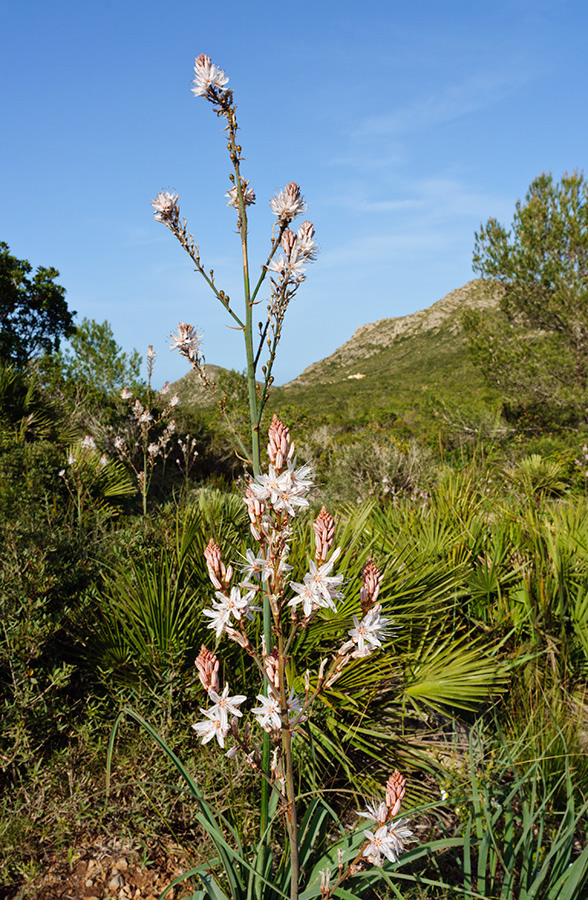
x: 324, y: 534
x: 370, y: 588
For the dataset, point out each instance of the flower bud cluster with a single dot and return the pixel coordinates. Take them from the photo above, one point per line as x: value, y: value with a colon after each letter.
x: 324, y: 534
x: 288, y: 204
x: 208, y: 78
x: 370, y: 587
x: 207, y: 664
x: 188, y: 342
x: 280, y: 448
x: 166, y: 209
x: 389, y: 838
x: 299, y: 249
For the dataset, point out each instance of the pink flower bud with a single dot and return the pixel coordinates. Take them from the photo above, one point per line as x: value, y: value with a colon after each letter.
x: 288, y: 242
x: 219, y: 575
x: 370, y: 589
x: 324, y: 534
x: 207, y: 664
x: 239, y: 638
x: 272, y: 668
x: 395, y: 791
x: 280, y: 447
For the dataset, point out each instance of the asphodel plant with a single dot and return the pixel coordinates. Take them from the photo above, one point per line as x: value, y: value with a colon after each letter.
x: 286, y: 270
x: 273, y: 500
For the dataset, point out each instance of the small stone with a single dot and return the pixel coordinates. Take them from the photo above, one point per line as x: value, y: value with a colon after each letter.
x: 116, y: 882
x: 89, y: 882
x: 121, y: 864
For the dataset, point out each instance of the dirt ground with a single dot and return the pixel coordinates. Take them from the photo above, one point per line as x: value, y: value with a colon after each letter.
x: 106, y: 869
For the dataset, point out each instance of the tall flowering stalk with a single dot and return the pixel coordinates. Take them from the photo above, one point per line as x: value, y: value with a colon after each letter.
x: 261, y: 582
x: 273, y: 500
x: 143, y: 441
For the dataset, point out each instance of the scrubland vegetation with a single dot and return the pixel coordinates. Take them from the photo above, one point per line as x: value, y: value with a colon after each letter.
x: 478, y: 697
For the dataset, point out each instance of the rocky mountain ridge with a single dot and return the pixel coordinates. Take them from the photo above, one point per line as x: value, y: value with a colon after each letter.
x: 372, y: 338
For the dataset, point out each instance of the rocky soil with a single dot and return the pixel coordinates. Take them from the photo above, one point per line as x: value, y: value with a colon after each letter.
x: 107, y: 869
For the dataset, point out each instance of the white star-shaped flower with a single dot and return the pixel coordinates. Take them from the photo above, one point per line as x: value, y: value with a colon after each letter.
x: 210, y: 728
x: 370, y: 631
x: 225, y: 607
x: 304, y: 595
x: 225, y: 705
x: 380, y: 843
x: 269, y: 714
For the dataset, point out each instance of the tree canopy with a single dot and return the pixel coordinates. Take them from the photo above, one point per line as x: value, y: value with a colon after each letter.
x: 95, y: 362
x: 34, y: 315
x: 534, y: 346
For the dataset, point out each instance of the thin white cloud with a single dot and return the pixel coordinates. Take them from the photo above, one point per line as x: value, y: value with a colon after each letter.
x: 445, y: 105
x: 418, y: 200
x: 379, y: 248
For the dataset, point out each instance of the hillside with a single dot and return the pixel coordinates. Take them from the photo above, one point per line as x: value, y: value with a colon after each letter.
x: 190, y: 389
x: 387, y: 334
x: 399, y: 364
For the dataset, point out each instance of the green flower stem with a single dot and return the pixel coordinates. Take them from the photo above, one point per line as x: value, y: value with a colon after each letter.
x: 291, y: 817
x: 255, y: 417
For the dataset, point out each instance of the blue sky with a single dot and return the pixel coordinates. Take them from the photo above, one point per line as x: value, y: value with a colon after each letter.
x: 406, y: 125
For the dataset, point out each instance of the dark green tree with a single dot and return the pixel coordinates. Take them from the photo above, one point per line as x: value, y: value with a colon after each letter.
x: 33, y: 311
x: 95, y: 362
x: 534, y: 345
